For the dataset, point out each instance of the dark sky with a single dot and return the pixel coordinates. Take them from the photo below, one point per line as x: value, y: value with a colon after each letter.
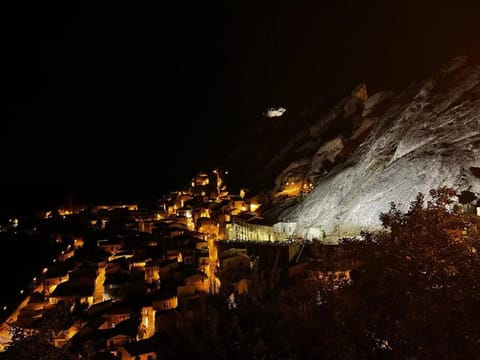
x: 133, y: 98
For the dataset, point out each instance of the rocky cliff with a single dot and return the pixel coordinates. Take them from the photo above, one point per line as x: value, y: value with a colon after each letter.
x: 369, y: 151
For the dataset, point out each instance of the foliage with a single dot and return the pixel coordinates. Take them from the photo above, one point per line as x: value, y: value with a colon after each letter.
x: 38, y: 343
x: 415, y: 290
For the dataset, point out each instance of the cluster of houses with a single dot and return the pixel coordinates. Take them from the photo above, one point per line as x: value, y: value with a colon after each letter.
x: 125, y: 273
x: 208, y: 208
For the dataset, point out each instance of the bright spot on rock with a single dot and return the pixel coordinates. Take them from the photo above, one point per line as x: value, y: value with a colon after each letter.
x: 274, y: 112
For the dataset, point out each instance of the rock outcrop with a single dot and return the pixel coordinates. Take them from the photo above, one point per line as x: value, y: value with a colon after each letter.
x: 387, y: 148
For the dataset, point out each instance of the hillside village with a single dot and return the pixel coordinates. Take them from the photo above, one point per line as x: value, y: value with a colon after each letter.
x: 124, y: 273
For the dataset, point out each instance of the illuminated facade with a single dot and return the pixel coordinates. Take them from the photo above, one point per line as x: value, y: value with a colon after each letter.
x: 285, y: 229
x: 147, y: 324
x: 248, y: 226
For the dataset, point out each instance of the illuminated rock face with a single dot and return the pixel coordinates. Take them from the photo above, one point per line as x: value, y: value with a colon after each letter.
x: 426, y: 137
x: 294, y: 172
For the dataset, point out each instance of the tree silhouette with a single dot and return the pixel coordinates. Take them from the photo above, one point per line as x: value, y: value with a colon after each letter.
x: 415, y: 290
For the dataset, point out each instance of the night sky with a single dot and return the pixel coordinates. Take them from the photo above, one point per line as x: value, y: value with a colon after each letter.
x: 127, y: 99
